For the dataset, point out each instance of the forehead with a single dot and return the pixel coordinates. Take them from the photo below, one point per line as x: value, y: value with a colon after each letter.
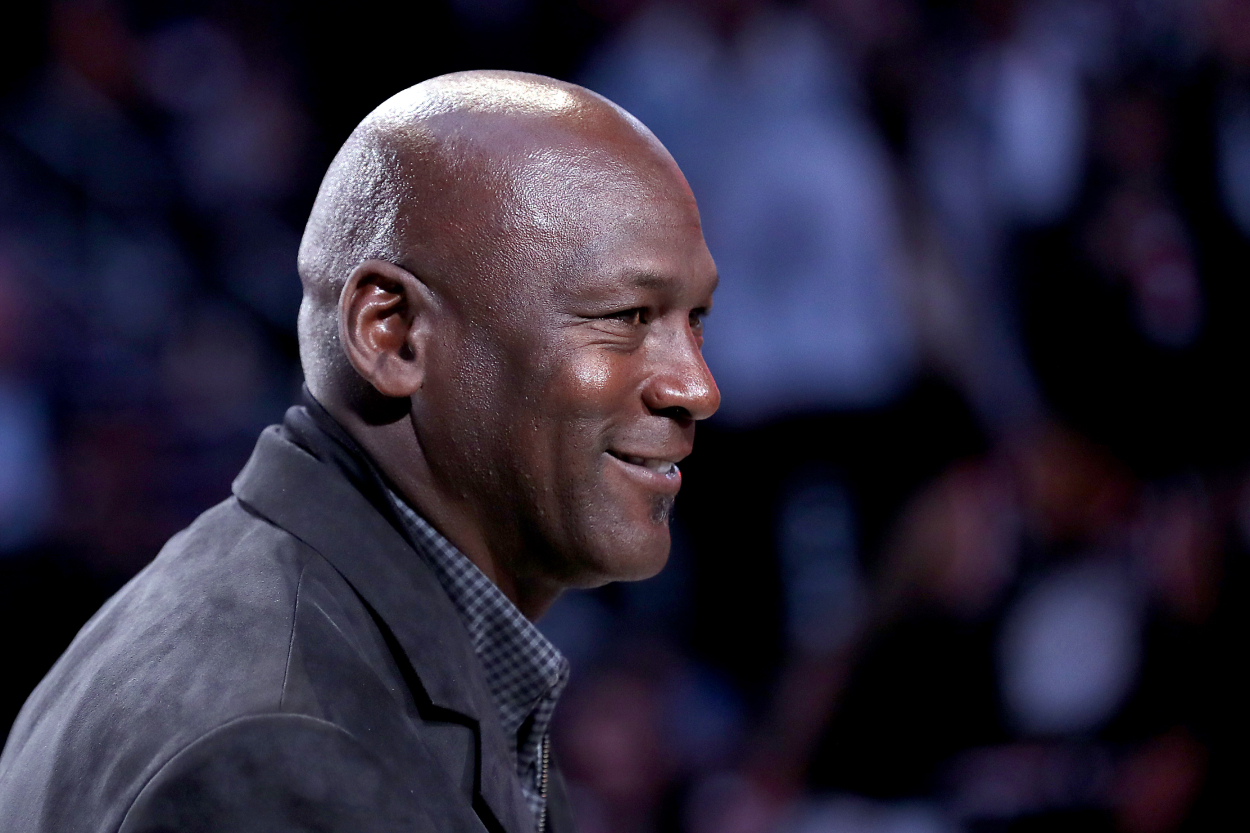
x: 586, y: 203
x: 618, y: 230
x: 546, y: 206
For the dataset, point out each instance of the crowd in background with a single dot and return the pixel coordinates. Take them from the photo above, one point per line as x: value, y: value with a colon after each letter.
x: 963, y: 550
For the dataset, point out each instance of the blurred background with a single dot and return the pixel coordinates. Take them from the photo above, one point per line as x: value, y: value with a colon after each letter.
x: 966, y: 546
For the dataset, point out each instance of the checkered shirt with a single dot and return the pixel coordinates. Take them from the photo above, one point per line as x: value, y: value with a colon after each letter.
x: 524, y: 671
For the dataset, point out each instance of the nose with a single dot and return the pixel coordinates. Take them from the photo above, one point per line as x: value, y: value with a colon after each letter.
x: 681, y: 385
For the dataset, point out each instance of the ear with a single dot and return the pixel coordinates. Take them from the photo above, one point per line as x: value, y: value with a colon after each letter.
x: 384, y: 322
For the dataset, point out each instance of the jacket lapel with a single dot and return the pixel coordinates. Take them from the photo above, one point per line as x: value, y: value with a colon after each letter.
x: 314, y: 500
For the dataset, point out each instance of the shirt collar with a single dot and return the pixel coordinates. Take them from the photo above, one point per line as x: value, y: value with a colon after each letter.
x: 523, y: 669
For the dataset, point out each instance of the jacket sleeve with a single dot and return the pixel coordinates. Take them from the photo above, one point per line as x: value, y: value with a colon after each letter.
x: 276, y: 773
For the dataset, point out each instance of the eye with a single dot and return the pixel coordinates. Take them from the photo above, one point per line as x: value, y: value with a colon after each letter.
x: 634, y: 316
x: 697, y: 318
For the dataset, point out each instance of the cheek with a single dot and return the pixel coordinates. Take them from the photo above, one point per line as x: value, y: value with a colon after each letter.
x: 592, y: 376
x: 592, y: 385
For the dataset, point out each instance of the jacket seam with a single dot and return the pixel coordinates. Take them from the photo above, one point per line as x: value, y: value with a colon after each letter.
x: 290, y: 645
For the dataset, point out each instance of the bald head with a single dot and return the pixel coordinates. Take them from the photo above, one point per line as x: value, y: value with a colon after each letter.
x: 455, y: 180
x: 504, y: 285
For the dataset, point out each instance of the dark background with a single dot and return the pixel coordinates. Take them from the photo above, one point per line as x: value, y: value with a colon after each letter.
x: 965, y: 548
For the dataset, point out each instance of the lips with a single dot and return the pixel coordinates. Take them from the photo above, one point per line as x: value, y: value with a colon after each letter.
x: 655, y: 464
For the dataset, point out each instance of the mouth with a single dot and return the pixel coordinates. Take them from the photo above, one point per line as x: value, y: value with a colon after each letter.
x: 658, y: 465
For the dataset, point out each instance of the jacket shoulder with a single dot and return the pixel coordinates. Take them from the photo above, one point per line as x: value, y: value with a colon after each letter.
x: 199, y: 637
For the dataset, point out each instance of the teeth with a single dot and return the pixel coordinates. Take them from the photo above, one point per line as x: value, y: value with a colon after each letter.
x: 659, y: 466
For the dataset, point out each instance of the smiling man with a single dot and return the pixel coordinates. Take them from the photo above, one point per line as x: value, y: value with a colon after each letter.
x: 504, y: 284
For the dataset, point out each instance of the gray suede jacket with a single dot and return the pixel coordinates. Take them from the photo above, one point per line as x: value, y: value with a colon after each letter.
x: 288, y: 662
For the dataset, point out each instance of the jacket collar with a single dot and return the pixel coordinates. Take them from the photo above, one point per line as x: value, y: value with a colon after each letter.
x: 308, y: 477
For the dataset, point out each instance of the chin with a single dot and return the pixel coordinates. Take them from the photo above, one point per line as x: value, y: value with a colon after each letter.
x: 632, y: 554
x: 611, y: 531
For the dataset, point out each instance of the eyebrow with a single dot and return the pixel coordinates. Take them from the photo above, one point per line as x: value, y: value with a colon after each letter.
x: 653, y: 281
x: 649, y: 280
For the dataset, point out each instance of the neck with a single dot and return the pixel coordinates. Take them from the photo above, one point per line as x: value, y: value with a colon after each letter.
x: 395, y: 450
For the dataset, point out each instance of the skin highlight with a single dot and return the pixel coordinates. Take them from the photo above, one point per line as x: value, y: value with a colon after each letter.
x: 504, y: 285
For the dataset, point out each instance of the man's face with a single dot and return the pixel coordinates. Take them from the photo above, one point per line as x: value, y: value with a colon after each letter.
x: 576, y: 381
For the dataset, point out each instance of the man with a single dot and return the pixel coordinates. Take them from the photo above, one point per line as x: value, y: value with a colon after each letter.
x: 504, y: 283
